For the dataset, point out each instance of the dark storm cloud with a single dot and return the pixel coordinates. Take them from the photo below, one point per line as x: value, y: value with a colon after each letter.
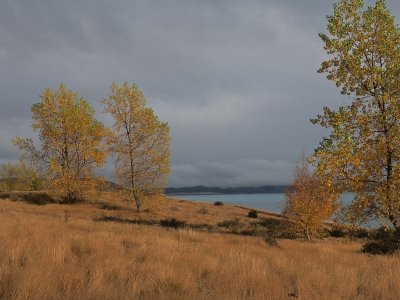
x: 236, y: 80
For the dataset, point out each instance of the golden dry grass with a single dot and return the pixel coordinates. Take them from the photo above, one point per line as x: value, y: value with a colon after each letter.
x: 46, y: 255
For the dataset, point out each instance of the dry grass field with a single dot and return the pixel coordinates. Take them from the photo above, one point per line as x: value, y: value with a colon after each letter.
x: 59, y: 252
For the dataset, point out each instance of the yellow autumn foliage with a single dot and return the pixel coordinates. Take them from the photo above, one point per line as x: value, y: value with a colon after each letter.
x: 139, y: 142
x: 362, y: 152
x: 71, y: 143
x: 18, y: 177
x: 310, y: 202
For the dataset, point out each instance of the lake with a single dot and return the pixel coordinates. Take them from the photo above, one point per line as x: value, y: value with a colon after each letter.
x: 269, y: 202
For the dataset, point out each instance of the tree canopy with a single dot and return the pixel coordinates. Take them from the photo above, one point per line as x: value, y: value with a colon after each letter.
x: 71, y: 142
x: 139, y: 141
x: 362, y: 152
x: 309, y: 202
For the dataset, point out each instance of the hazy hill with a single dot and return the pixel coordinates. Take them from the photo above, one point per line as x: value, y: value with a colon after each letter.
x: 267, y: 189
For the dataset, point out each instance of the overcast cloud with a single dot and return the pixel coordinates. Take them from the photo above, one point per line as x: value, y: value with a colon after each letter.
x: 236, y: 80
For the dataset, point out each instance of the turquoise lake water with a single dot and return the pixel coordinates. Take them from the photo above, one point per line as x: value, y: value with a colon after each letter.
x: 268, y: 202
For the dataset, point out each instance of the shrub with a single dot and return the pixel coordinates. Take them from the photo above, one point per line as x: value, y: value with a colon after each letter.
x: 172, y: 223
x: 201, y: 226
x: 219, y: 203
x: 252, y: 232
x: 202, y: 211
x: 124, y: 221
x: 270, y: 239
x: 340, y: 230
x: 14, y: 177
x: 252, y: 214
x: 337, y: 232
x: 31, y: 198
x: 310, y: 201
x: 381, y: 247
x: 381, y: 233
x: 229, y: 223
x: 360, y: 233
x: 110, y: 206
x: 38, y: 199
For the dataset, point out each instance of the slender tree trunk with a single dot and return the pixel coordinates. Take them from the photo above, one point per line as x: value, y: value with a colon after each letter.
x: 138, y: 202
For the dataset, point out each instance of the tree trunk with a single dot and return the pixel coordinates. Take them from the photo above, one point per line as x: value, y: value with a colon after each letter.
x: 308, y: 234
x: 138, y: 202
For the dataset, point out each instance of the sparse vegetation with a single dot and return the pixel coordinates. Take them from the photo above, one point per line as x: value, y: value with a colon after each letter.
x: 252, y: 214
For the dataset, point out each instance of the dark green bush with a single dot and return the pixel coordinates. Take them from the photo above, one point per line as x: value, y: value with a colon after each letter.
x: 340, y: 230
x: 381, y: 233
x: 110, y: 206
x: 172, y: 223
x: 337, y: 232
x: 31, y: 198
x: 124, y: 221
x: 381, y: 247
x: 219, y: 203
x: 252, y: 214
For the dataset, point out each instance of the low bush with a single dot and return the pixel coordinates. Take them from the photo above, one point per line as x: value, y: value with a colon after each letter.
x: 340, y: 231
x: 108, y: 206
x: 201, y: 226
x: 31, y: 198
x: 252, y: 214
x: 270, y: 239
x: 219, y: 203
x: 381, y: 247
x: 381, y: 233
x: 124, y: 221
x: 337, y: 232
x: 172, y: 223
x: 229, y: 223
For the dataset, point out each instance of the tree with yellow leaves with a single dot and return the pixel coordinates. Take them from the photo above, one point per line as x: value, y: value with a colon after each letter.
x: 18, y: 177
x: 309, y: 202
x: 362, y: 152
x: 140, y: 143
x: 71, y: 143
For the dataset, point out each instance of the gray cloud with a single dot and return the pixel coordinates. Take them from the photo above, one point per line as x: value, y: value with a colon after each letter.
x: 235, y: 173
x: 236, y: 80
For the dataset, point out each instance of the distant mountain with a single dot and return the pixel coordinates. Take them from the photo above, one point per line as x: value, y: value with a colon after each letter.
x: 267, y: 189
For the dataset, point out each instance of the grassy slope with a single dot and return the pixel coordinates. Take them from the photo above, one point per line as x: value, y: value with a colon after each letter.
x: 59, y: 252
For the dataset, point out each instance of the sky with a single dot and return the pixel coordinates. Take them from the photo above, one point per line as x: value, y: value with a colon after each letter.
x: 235, y: 80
